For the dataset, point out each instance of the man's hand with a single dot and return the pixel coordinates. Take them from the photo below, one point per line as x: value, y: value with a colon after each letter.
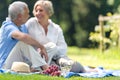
x: 43, y: 53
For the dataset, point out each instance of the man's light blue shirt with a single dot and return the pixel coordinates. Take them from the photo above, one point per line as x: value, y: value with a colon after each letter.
x: 6, y: 41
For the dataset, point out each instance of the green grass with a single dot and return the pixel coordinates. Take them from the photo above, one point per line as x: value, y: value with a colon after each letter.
x: 109, y: 59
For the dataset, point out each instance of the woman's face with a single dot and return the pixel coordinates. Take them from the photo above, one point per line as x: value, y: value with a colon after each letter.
x: 41, y: 13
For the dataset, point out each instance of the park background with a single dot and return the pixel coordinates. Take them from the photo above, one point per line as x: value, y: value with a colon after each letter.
x: 77, y: 18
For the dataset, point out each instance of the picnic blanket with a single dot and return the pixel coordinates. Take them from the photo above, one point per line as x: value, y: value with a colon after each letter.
x: 101, y: 73
x: 12, y: 72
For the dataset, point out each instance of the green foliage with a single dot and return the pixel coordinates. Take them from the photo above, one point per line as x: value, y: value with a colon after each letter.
x: 80, y: 36
x: 96, y: 37
x: 76, y: 17
x: 114, y: 35
x: 111, y: 26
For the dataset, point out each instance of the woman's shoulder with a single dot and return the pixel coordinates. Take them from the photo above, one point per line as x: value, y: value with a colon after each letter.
x: 31, y: 22
x: 54, y: 24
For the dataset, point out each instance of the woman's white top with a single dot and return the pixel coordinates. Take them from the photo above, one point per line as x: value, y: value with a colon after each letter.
x: 54, y: 34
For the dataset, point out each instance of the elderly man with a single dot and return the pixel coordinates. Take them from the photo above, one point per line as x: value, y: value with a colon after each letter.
x: 15, y: 44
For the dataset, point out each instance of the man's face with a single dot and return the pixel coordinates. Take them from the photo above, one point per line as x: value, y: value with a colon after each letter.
x: 25, y: 15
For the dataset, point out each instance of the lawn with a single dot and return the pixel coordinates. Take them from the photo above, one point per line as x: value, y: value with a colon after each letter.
x: 109, y: 59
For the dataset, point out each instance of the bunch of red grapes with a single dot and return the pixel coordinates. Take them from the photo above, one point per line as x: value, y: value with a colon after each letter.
x: 53, y: 70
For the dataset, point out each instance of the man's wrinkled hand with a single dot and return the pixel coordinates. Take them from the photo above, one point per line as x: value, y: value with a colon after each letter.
x: 43, y: 53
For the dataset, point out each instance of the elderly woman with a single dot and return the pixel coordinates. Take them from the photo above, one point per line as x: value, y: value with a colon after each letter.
x: 46, y: 32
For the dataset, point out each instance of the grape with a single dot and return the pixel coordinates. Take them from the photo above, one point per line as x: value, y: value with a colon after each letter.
x: 53, y: 70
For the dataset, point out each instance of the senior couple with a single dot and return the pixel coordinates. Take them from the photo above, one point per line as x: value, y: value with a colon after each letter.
x: 39, y: 42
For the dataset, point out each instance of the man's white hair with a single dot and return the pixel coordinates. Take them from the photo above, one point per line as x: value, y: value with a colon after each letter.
x: 16, y: 8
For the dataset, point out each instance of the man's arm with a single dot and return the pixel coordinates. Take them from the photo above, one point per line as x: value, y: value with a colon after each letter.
x: 25, y: 38
x: 29, y: 40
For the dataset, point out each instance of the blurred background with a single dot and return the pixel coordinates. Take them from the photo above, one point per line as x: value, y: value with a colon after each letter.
x: 77, y: 18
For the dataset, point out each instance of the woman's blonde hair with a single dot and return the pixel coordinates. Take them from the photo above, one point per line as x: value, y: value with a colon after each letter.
x: 46, y: 4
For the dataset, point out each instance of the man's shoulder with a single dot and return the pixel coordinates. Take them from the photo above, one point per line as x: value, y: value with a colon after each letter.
x: 8, y: 26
